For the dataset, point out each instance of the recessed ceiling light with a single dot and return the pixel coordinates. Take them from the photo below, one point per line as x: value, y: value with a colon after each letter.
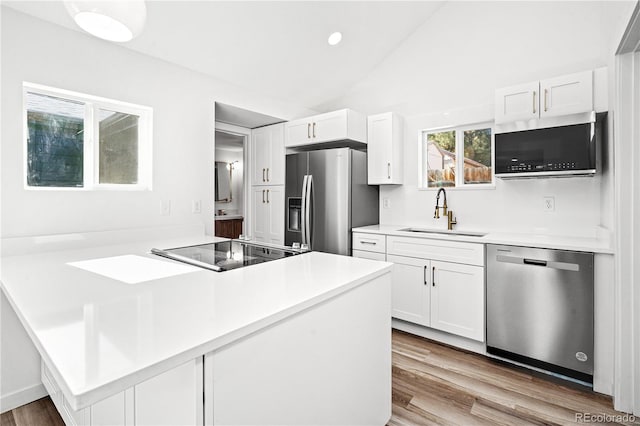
x: 335, y: 38
x: 110, y: 20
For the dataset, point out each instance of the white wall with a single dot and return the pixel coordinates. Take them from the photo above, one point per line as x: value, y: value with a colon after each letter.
x: 237, y: 193
x: 446, y: 73
x: 183, y: 105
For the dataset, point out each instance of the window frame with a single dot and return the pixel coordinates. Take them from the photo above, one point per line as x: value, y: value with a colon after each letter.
x: 91, y: 151
x: 459, y: 149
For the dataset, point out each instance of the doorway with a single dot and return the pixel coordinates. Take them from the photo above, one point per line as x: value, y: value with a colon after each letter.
x: 232, y: 188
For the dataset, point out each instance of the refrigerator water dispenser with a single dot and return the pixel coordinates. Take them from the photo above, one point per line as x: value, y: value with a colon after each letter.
x: 294, y: 214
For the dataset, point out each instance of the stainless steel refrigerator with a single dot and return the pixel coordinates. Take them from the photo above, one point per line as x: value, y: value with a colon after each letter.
x: 326, y: 194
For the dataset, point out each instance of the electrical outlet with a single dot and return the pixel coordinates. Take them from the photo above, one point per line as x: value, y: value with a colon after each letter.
x: 165, y: 207
x: 549, y: 204
x: 196, y: 207
x: 386, y: 203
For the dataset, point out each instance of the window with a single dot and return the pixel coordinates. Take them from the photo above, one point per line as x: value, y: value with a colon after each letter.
x: 80, y: 141
x: 446, y: 152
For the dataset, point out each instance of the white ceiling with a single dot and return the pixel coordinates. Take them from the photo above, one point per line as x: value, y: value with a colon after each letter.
x: 277, y: 48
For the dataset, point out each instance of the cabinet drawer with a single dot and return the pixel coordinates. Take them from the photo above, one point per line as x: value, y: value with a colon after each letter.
x: 369, y: 242
x: 425, y: 248
x: 369, y: 255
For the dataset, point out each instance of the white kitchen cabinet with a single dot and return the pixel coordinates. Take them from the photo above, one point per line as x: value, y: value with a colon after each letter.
x: 438, y: 284
x: 457, y: 299
x: 568, y: 94
x: 170, y: 398
x: 268, y: 214
x: 558, y: 96
x: 267, y: 155
x: 369, y: 242
x: 344, y: 124
x: 384, y: 149
x: 410, y: 289
x: 514, y: 103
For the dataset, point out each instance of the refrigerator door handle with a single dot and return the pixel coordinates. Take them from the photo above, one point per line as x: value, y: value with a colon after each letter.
x: 307, y: 215
x: 303, y: 210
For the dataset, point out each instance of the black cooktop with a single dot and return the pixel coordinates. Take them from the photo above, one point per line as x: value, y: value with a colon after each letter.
x: 226, y: 255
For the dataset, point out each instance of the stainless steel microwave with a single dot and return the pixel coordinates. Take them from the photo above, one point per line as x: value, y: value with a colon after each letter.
x: 561, y: 151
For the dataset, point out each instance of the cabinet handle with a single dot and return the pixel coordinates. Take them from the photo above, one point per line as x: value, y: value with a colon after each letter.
x: 373, y: 243
x: 267, y: 174
x: 433, y: 276
x: 308, y: 130
x: 314, y: 130
x: 534, y: 101
x: 424, y: 275
x: 546, y: 92
x: 263, y: 175
x: 388, y: 170
x: 267, y: 195
x: 263, y: 195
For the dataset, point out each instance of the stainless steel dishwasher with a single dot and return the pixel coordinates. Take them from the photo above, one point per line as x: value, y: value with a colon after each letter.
x: 540, y: 308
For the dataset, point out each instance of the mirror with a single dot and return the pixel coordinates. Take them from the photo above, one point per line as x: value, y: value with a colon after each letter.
x: 223, y: 182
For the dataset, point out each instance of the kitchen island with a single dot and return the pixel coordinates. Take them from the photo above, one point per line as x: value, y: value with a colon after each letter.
x: 130, y: 338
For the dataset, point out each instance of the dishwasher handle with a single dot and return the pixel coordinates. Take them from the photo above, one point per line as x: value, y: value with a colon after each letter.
x: 574, y: 267
x: 534, y: 262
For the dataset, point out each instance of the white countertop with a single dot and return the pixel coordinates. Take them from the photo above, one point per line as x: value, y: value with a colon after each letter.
x: 228, y: 216
x: 595, y: 245
x: 101, y: 335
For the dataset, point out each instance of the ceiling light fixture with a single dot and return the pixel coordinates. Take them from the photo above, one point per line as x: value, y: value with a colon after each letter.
x: 335, y: 38
x: 113, y: 20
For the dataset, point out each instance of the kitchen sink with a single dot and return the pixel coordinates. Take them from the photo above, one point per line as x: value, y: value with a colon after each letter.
x: 444, y: 232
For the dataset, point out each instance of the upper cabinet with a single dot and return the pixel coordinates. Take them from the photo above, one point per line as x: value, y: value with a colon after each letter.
x: 344, y: 124
x: 384, y: 149
x: 267, y: 155
x: 564, y: 95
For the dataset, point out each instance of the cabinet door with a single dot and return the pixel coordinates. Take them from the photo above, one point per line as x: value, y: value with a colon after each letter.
x: 275, y: 168
x: 329, y: 127
x: 519, y: 102
x: 267, y: 155
x: 410, y: 292
x: 259, y: 214
x: 237, y: 227
x: 457, y: 299
x: 297, y: 132
x: 568, y: 94
x: 171, y: 398
x: 275, y: 221
x: 384, y: 149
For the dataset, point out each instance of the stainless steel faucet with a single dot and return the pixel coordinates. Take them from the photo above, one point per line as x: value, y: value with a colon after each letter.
x: 436, y: 215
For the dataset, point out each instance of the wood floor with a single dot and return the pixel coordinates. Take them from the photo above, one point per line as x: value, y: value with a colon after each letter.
x: 38, y: 413
x: 435, y: 384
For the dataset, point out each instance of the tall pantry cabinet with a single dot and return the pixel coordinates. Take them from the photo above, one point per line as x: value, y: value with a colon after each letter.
x: 267, y: 173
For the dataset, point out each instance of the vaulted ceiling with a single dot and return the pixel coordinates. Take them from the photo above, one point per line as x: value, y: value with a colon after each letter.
x: 275, y: 48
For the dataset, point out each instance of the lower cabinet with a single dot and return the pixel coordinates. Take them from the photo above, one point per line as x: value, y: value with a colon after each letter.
x: 170, y: 398
x: 228, y: 228
x: 410, y: 289
x: 429, y: 290
x: 268, y: 214
x: 457, y: 299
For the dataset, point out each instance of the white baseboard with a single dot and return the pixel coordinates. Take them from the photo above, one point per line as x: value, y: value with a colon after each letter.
x: 22, y: 397
x: 440, y: 336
